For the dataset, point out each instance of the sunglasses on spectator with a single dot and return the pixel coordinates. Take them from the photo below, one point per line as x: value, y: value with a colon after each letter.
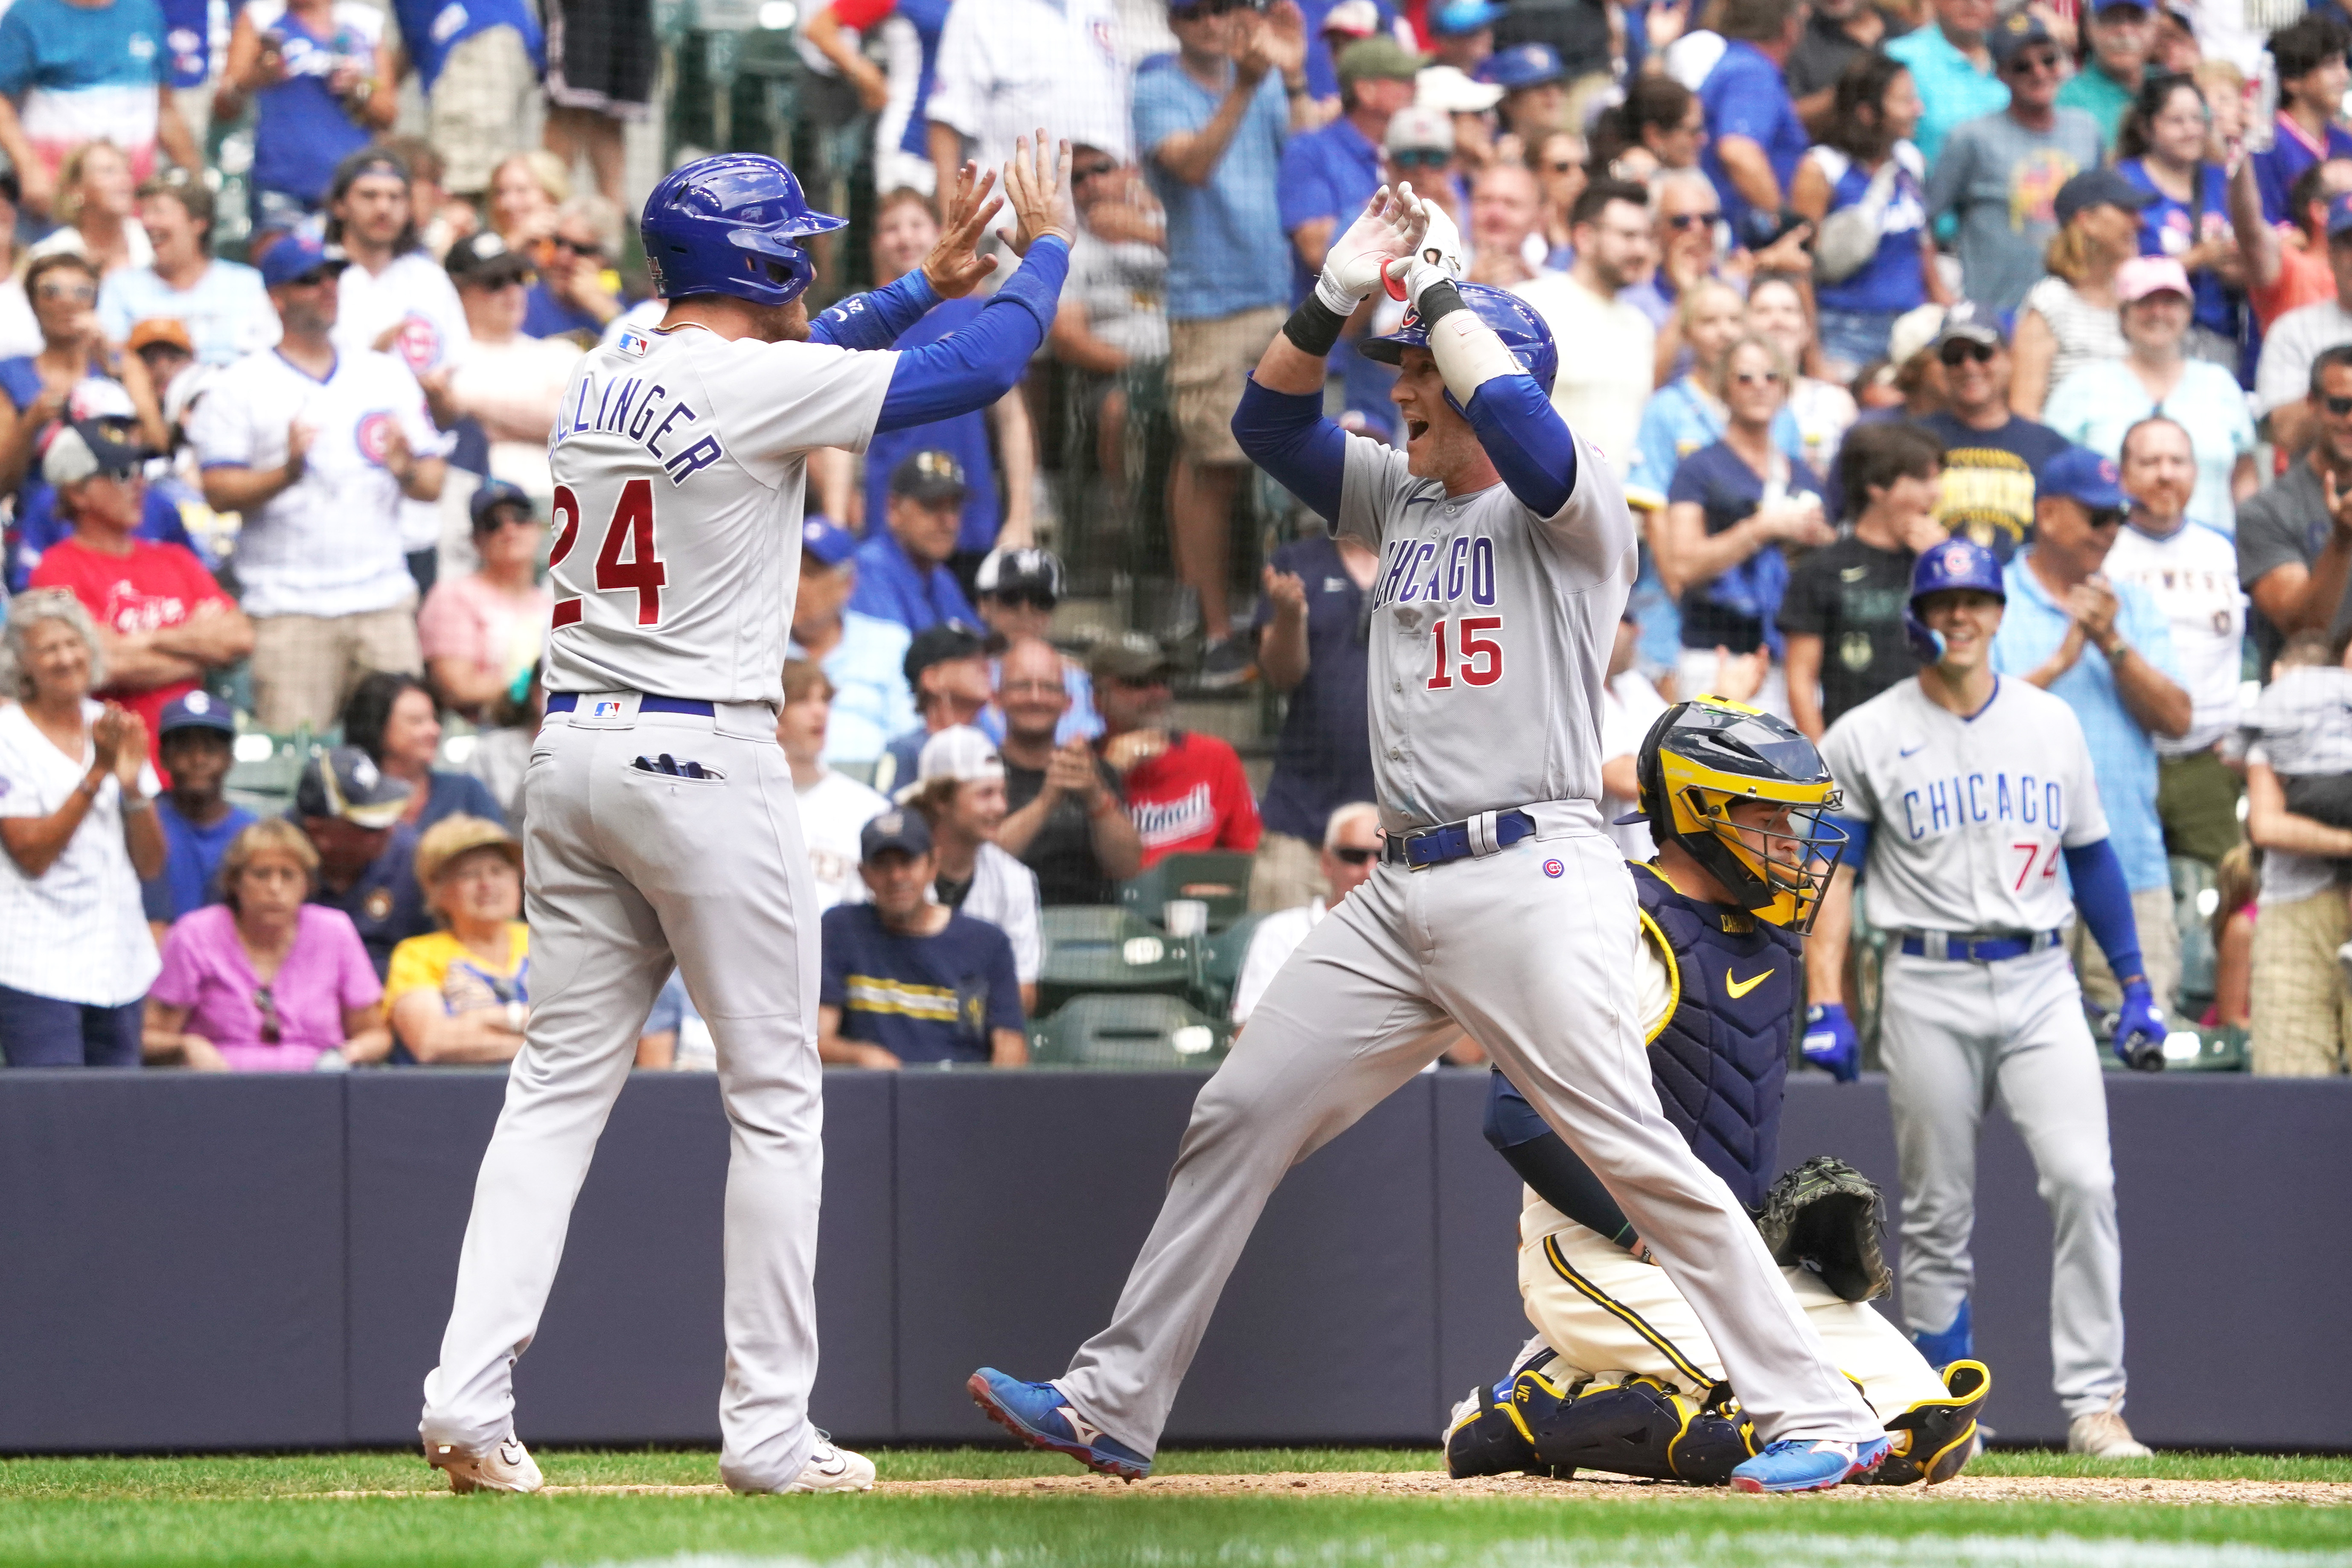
x: 1421, y: 158
x: 588, y: 249
x: 1201, y: 8
x: 1683, y: 223
x: 1757, y: 377
x: 2107, y: 517
x: 2338, y: 406
x: 1953, y: 353
x: 80, y: 293
x: 271, y: 1031
x: 1023, y: 598
x: 2024, y: 65
x: 1349, y: 855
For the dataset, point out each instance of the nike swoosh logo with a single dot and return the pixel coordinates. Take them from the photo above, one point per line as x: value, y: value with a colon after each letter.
x: 1920, y: 747
x: 1740, y: 988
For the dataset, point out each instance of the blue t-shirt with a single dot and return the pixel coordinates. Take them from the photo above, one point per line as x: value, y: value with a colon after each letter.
x: 300, y: 130
x: 188, y: 36
x: 94, y: 65
x: 2276, y: 171
x: 930, y: 18
x: 228, y: 312
x: 889, y: 588
x: 1331, y: 173
x: 922, y: 998
x: 458, y: 794
x: 1741, y: 608
x: 545, y: 316
x: 190, y: 856
x: 963, y: 438
x: 1323, y: 758
x: 429, y: 29
x: 2167, y: 227
x: 1891, y: 281
x: 1744, y: 95
x: 1226, y: 250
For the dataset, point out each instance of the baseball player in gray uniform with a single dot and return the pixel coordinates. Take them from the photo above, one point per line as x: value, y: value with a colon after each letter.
x: 1965, y: 791
x: 1501, y: 906
x: 662, y: 818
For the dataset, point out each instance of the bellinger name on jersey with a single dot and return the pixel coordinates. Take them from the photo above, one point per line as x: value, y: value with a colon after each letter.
x: 631, y: 408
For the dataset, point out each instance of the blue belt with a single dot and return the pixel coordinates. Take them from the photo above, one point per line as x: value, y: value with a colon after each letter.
x: 1978, y: 950
x: 565, y: 701
x: 1458, y: 840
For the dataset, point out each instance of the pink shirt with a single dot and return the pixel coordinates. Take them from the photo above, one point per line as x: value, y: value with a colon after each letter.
x: 496, y: 632
x: 206, y: 969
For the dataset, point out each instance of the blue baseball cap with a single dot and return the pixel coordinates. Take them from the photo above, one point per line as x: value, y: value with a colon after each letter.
x: 491, y: 494
x: 1522, y: 66
x: 1451, y: 21
x: 2021, y: 29
x: 902, y: 829
x: 196, y: 710
x: 298, y: 255
x: 827, y: 541
x: 2083, y: 475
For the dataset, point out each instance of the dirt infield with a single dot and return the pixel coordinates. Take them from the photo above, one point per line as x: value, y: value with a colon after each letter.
x: 1436, y: 1484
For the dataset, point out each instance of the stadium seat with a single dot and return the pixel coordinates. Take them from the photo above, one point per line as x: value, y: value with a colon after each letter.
x: 1100, y: 947
x: 1218, y: 878
x: 1145, y: 1033
x: 1221, y: 965
x: 2194, y: 899
x: 266, y: 768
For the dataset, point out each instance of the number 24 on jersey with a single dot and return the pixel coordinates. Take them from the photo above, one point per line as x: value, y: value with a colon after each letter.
x: 631, y: 529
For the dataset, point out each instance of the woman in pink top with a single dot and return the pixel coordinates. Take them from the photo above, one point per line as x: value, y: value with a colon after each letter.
x: 266, y: 982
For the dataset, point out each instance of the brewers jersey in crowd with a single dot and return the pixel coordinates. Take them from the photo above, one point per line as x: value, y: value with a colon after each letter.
x: 678, y: 579
x: 1959, y: 842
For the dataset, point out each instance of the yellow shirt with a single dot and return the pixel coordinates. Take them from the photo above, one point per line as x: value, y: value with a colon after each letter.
x: 444, y: 965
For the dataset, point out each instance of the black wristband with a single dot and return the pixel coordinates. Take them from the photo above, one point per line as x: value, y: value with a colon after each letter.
x: 1314, y: 328
x: 1437, y: 301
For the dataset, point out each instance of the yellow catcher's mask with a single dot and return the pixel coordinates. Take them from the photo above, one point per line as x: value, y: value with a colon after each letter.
x: 1704, y: 757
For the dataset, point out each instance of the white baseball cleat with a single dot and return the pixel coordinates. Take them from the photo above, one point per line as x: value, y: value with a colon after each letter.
x: 2103, y: 1434
x: 508, y: 1468
x: 831, y: 1469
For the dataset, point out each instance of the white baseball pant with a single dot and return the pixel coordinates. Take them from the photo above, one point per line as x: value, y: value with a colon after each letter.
x: 1531, y: 951
x: 626, y: 870
x: 1954, y: 1036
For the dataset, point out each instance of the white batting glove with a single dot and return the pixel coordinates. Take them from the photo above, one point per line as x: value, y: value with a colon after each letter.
x: 1388, y: 228
x: 1435, y: 258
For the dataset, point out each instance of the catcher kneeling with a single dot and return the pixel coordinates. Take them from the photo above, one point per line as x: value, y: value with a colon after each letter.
x: 1620, y: 1377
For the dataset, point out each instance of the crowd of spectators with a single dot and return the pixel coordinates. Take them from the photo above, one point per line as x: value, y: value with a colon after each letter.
x: 1830, y: 282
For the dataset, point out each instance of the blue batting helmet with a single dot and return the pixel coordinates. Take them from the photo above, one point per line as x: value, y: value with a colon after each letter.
x: 1515, y: 322
x: 732, y: 225
x: 1958, y: 562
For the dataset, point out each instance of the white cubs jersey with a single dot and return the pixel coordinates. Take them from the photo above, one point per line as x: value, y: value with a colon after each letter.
x: 680, y: 461
x: 1969, y: 816
x: 1491, y: 635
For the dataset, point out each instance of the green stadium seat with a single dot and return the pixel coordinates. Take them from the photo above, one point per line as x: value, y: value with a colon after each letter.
x: 1218, y: 878
x: 1221, y: 965
x: 1100, y: 947
x: 2194, y: 899
x: 1145, y: 1033
x: 266, y: 768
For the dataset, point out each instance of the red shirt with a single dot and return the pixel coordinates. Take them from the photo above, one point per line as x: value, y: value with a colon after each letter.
x: 2304, y: 279
x: 155, y: 586
x: 1190, y: 796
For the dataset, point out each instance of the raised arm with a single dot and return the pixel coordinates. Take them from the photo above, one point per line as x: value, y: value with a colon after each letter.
x: 954, y: 267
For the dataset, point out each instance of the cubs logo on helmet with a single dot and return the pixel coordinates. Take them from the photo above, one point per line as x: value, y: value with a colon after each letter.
x: 1523, y: 330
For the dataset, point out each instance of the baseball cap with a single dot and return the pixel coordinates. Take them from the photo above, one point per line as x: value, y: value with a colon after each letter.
x: 1132, y: 656
x: 2100, y: 6
x: 827, y: 541
x: 160, y: 330
x: 1521, y: 65
x: 1449, y: 90
x: 2099, y: 188
x: 459, y: 834
x: 2143, y: 275
x: 345, y: 782
x: 1451, y: 21
x: 1970, y: 322
x: 1014, y: 571
x: 494, y: 493
x: 940, y: 643
x: 1414, y: 129
x: 927, y: 475
x: 85, y: 447
x: 1353, y: 19
x: 2084, y: 476
x: 296, y: 256
x: 2019, y: 30
x: 960, y: 753
x: 905, y: 831
x: 196, y: 710
x: 1378, y: 59
x: 484, y: 261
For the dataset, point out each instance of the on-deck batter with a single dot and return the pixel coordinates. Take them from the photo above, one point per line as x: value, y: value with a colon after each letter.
x: 1502, y: 908
x: 662, y: 823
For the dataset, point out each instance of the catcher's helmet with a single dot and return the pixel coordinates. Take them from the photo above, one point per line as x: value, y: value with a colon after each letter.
x: 1515, y: 322
x: 1703, y: 755
x: 1958, y: 562
x: 732, y: 225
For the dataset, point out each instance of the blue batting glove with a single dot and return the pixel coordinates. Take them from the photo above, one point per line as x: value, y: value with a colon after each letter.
x: 1830, y: 1042
x: 2140, y: 1030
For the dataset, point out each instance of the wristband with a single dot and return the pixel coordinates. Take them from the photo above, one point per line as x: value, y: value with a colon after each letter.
x: 1315, y: 327
x: 133, y: 803
x: 1438, y: 301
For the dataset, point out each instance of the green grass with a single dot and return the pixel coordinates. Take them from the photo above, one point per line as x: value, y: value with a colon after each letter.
x: 269, y: 1511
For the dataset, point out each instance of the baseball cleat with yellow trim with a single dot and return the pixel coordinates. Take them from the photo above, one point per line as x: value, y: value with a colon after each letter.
x: 1809, y: 1463
x: 1042, y: 1416
x: 509, y: 1468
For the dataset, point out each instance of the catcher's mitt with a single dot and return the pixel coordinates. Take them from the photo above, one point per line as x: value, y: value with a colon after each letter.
x: 1828, y: 1217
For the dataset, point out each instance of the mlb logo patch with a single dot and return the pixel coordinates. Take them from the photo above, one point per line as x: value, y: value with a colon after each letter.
x: 633, y: 341
x: 605, y: 708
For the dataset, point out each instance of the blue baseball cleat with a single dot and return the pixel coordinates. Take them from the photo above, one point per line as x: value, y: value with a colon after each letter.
x: 1040, y: 1416
x: 1808, y: 1465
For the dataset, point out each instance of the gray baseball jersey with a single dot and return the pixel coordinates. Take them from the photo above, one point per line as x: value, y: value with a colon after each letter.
x: 1969, y: 816
x: 1491, y: 631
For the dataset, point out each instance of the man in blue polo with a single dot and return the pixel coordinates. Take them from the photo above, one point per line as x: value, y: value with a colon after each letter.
x: 2105, y: 648
x: 1328, y: 175
x: 1754, y: 137
x: 902, y: 567
x: 1952, y: 68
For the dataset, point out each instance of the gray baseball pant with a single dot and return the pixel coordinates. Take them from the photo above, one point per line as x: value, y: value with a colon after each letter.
x: 1531, y: 951
x: 1954, y: 1036
x: 625, y: 872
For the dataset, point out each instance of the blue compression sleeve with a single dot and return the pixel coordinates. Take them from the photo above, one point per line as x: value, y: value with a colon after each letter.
x: 967, y: 370
x: 1528, y: 441
x: 1285, y: 433
x: 1857, y: 841
x: 2101, y: 894
x: 874, y: 320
